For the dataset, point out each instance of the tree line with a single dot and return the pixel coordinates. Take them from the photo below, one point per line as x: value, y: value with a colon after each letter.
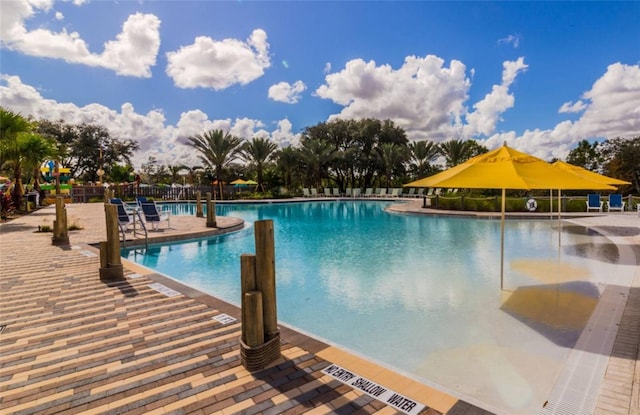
x: 339, y: 153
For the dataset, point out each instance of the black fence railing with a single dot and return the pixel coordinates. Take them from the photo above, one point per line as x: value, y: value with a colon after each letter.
x: 85, y: 194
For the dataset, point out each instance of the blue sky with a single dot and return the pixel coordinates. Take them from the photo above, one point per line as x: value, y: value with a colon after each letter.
x: 540, y: 75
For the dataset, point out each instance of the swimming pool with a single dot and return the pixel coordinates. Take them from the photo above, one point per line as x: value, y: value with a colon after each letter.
x: 418, y: 294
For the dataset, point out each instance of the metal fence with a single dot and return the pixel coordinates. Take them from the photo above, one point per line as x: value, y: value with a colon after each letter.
x: 84, y: 194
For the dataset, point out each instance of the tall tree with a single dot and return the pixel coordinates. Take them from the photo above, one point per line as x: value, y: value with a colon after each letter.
x: 288, y: 163
x: 258, y: 152
x: 217, y: 149
x: 622, y: 160
x: 174, y: 171
x: 393, y: 156
x: 21, y: 149
x: 423, y: 153
x: 586, y: 155
x: 316, y: 156
x: 456, y: 151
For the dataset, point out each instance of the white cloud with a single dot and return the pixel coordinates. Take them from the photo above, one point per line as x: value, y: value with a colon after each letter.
x: 285, y: 92
x: 422, y: 96
x: 487, y: 112
x: 327, y: 68
x: 132, y: 53
x: 611, y: 109
x: 513, y: 39
x: 164, y: 142
x: 208, y: 63
x: 577, y: 106
x: 59, y: 16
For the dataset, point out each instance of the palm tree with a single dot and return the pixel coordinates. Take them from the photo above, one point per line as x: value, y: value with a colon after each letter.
x: 288, y: 162
x: 392, y: 156
x: 316, y: 155
x: 258, y: 152
x: 20, y: 149
x: 192, y: 172
x: 217, y: 149
x: 456, y: 151
x: 174, y: 171
x: 422, y: 154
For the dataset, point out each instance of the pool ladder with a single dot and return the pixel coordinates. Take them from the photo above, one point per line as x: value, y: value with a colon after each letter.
x: 135, y: 214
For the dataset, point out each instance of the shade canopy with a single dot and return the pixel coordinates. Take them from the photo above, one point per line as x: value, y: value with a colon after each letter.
x: 238, y: 182
x: 251, y: 182
x: 588, y: 174
x: 507, y: 168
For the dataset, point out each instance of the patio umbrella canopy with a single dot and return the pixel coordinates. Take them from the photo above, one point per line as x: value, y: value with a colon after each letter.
x: 588, y: 174
x: 506, y: 168
x: 239, y: 182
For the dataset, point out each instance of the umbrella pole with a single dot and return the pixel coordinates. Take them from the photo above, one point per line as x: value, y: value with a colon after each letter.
x: 502, y: 241
x: 559, y: 221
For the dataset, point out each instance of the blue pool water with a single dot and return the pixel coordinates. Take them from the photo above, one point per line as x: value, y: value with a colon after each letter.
x: 392, y: 287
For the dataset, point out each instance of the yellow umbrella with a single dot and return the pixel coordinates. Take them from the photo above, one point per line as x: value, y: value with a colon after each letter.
x: 251, y: 182
x: 588, y: 174
x: 239, y: 182
x: 506, y: 168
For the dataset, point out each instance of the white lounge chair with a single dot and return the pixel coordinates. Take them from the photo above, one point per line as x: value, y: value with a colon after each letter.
x: 594, y: 202
x: 356, y: 192
x: 368, y: 192
x: 615, y: 202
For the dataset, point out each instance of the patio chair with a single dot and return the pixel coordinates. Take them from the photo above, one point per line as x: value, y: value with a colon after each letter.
x: 125, y: 219
x: 420, y: 192
x: 368, y: 192
x: 594, y: 202
x: 412, y: 192
x: 336, y: 192
x: 615, y: 202
x: 348, y: 192
x: 327, y: 192
x: 155, y: 216
x: 314, y: 192
x: 305, y: 192
x: 395, y: 192
x: 356, y: 192
x: 382, y: 192
x: 141, y: 199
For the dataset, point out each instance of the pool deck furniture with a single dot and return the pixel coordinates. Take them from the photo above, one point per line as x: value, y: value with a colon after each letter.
x: 615, y: 202
x: 594, y: 203
x: 72, y: 343
x: 154, y: 215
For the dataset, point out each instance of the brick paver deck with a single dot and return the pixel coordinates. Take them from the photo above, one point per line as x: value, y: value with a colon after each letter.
x: 73, y: 344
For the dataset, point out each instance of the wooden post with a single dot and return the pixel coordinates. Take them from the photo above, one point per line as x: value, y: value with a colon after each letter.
x: 266, y: 275
x: 211, y: 214
x: 113, y: 271
x: 248, y: 284
x: 255, y: 331
x: 60, y: 234
x: 199, y: 211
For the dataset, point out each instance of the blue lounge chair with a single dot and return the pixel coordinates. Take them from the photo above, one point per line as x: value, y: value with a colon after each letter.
x: 594, y: 202
x: 615, y: 202
x: 154, y: 216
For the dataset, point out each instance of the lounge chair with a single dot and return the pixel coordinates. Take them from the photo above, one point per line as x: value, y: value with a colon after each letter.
x: 125, y: 219
x: 356, y: 192
x: 395, y: 192
x: 594, y: 202
x: 305, y: 192
x: 412, y: 192
x: 336, y: 192
x: 348, y: 192
x: 368, y: 192
x: 154, y: 215
x: 327, y: 192
x: 615, y: 202
x: 420, y: 192
x: 430, y: 192
x: 314, y: 192
x: 382, y: 192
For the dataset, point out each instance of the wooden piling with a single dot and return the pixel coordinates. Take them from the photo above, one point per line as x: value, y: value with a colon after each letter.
x: 113, y: 270
x: 266, y: 275
x: 253, y: 311
x: 247, y: 284
x: 60, y: 233
x: 211, y: 214
x: 199, y: 211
